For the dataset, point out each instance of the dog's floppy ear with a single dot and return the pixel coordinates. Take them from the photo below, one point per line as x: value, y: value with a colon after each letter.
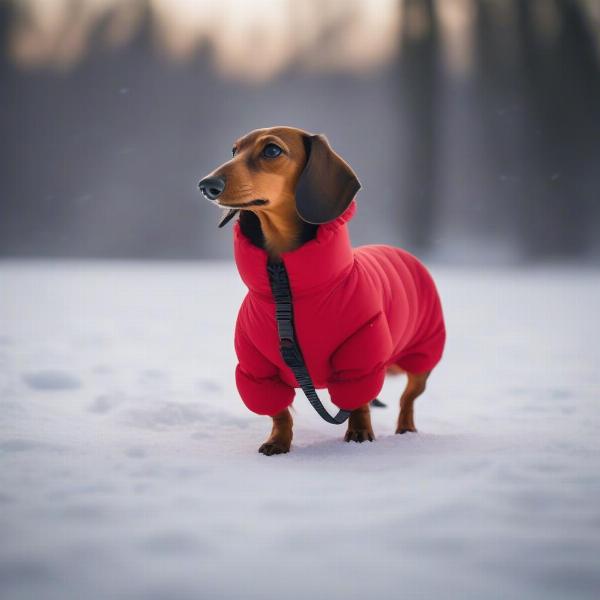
x: 326, y: 186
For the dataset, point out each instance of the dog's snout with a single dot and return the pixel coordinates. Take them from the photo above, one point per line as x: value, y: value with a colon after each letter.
x: 212, y: 187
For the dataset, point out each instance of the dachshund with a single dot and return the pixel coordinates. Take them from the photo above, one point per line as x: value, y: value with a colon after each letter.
x: 271, y: 183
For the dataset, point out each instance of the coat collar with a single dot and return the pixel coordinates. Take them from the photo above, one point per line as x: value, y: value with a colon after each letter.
x: 320, y: 261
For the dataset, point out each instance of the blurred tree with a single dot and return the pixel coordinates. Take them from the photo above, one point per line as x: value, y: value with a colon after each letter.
x: 559, y: 76
x: 418, y: 90
x: 536, y: 89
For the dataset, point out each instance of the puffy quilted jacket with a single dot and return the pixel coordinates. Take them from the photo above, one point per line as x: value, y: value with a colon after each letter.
x: 356, y: 311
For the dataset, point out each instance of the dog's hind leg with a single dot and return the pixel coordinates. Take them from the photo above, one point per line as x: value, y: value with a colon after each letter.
x: 359, y: 426
x: 280, y: 440
x: 394, y: 370
x: 415, y: 386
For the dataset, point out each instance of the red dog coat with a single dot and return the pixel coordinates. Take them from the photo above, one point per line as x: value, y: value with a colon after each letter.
x: 356, y: 311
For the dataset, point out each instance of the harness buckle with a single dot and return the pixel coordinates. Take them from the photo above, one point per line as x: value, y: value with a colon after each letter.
x: 285, y: 330
x: 290, y: 353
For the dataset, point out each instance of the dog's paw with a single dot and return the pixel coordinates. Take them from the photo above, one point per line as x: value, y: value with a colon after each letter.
x: 359, y: 435
x: 270, y: 448
x: 406, y: 422
x: 402, y: 429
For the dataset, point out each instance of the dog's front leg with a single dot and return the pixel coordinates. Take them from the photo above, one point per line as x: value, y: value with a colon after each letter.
x: 359, y: 426
x: 280, y: 440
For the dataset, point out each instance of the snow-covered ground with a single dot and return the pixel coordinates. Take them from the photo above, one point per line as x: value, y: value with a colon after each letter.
x: 129, y: 466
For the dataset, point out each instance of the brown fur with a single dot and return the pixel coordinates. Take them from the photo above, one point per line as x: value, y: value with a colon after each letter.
x: 251, y: 177
x: 415, y: 386
x: 280, y: 440
x: 359, y: 426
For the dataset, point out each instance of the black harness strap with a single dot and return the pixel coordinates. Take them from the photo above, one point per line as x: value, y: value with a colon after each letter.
x: 288, y: 346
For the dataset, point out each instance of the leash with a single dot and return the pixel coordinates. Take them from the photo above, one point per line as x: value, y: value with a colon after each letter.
x: 288, y: 346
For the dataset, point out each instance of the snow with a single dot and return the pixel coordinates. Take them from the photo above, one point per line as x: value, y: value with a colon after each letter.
x: 129, y: 466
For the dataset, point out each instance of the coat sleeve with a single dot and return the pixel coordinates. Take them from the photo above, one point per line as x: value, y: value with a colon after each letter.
x: 257, y: 378
x: 359, y: 364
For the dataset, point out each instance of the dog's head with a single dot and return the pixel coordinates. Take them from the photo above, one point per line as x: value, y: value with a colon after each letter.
x: 280, y: 169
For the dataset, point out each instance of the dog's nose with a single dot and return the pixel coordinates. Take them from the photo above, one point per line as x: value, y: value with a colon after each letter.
x: 212, y: 187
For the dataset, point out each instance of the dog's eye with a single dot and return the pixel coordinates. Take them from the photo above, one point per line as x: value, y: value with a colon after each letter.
x: 233, y: 151
x: 272, y: 151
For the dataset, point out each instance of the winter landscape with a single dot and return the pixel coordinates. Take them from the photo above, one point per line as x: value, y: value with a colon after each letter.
x: 129, y: 465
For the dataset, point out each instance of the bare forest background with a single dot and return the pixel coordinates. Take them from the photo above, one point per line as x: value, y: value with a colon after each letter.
x: 474, y: 126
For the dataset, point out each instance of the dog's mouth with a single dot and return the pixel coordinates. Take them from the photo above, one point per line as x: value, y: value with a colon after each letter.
x: 257, y: 202
x: 233, y: 209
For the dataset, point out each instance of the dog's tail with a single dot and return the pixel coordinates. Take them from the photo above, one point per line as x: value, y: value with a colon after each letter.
x: 377, y: 403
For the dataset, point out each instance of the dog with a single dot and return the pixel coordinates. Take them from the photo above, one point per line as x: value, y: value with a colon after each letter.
x: 358, y: 312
